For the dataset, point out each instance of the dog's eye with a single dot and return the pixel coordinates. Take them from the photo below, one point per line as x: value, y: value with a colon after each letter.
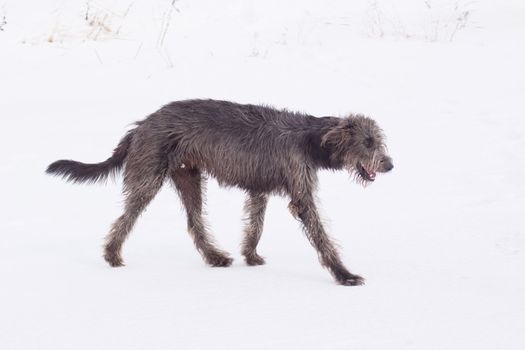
x: 369, y: 142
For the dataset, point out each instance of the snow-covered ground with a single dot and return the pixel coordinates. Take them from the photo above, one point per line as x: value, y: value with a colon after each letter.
x: 441, y: 240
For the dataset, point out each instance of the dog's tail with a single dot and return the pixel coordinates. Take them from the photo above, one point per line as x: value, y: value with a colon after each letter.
x: 78, y: 172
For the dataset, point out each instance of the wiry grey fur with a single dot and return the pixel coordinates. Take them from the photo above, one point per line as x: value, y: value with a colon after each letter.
x: 257, y: 148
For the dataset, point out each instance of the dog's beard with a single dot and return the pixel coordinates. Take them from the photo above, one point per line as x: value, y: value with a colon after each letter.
x: 363, y: 173
x: 356, y: 176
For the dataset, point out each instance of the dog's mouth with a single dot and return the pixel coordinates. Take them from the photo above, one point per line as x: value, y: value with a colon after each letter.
x: 366, y: 174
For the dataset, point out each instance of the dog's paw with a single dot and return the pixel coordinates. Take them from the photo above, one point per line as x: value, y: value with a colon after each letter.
x: 219, y: 260
x: 254, y: 260
x: 352, y: 280
x: 114, y: 260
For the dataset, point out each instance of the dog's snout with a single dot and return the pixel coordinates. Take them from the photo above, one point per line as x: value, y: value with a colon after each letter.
x: 387, y: 164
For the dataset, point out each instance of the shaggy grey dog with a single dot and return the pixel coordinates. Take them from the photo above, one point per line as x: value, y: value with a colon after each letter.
x: 259, y: 149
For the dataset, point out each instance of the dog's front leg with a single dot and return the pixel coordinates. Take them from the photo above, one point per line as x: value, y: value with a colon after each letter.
x: 305, y: 210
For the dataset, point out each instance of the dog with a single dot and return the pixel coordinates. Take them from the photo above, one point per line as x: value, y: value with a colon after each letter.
x: 257, y: 148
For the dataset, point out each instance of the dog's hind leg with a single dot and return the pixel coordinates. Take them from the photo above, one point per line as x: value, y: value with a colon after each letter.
x: 254, y: 208
x: 141, y: 184
x: 189, y: 184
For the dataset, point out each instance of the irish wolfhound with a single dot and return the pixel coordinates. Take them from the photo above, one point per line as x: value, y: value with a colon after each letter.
x: 260, y: 149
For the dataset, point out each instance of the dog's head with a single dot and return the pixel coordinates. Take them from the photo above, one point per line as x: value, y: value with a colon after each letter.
x: 358, y: 143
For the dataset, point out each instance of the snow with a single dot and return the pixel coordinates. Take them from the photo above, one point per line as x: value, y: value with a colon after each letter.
x: 440, y: 240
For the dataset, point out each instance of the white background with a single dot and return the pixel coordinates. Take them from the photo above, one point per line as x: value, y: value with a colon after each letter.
x: 440, y: 240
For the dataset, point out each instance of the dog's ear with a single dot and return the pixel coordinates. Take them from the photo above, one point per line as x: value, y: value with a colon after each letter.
x: 339, y: 135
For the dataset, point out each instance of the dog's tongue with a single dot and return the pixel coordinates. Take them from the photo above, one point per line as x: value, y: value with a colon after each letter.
x: 372, y: 174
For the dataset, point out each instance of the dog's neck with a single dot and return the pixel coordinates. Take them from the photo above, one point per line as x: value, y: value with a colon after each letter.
x: 322, y: 156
